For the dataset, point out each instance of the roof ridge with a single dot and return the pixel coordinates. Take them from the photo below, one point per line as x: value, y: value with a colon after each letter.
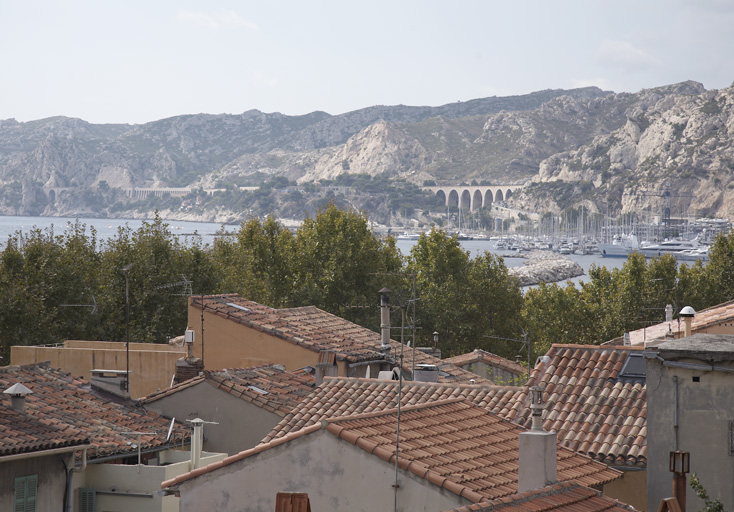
x: 597, y: 347
x: 239, y: 456
x: 452, y: 385
x: 393, y: 410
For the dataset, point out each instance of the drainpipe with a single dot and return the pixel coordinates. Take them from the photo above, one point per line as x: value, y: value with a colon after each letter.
x: 70, y: 479
x: 675, y: 409
x: 385, y: 320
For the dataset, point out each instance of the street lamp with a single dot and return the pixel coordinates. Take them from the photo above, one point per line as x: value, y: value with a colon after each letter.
x: 126, y: 271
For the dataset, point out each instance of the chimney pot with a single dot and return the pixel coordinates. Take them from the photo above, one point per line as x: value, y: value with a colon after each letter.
x: 687, y: 313
x: 17, y: 394
x: 536, y: 408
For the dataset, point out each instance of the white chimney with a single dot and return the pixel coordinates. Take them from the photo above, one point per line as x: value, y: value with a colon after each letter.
x: 687, y: 314
x: 17, y: 394
x: 538, y: 457
x: 385, y: 319
x: 669, y: 313
x: 197, y: 439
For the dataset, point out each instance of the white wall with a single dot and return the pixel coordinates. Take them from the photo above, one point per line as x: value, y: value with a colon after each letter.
x: 336, y: 475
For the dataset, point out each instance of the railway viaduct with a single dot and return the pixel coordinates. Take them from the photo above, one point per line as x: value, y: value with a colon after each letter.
x: 473, y: 197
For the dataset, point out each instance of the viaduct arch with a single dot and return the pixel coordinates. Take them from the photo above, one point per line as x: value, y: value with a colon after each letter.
x: 473, y: 197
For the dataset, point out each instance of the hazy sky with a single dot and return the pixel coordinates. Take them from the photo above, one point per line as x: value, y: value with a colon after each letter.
x: 137, y: 61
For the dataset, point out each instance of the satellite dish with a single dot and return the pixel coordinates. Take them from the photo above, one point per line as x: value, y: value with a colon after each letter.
x: 170, y: 429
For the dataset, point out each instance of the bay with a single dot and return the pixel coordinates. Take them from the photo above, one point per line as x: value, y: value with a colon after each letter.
x: 477, y: 247
x: 105, y: 228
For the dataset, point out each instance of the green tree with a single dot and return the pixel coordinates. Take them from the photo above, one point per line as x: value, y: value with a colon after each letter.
x: 338, y: 264
x: 719, y: 271
x: 157, y: 310
x: 257, y: 262
x: 553, y: 314
x: 495, y: 303
x: 441, y: 267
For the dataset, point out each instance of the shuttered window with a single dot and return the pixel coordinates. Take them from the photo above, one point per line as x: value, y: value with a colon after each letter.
x: 87, y: 499
x: 25, y: 493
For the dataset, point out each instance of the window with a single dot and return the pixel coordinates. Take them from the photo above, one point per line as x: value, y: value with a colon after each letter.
x: 25, y: 493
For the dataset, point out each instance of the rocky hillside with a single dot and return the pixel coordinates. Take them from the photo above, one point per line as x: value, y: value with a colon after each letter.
x: 680, y: 137
x: 608, y: 151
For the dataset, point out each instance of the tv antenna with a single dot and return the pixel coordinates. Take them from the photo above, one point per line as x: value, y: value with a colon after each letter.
x: 94, y: 306
x: 185, y: 283
x: 139, y: 434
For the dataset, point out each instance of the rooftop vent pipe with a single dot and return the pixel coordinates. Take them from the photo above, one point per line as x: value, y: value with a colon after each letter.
x: 385, y: 319
x: 536, y: 408
x: 17, y: 394
x: 687, y: 314
x: 538, y: 449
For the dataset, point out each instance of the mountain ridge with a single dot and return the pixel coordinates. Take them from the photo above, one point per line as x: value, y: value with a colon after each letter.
x: 581, y: 146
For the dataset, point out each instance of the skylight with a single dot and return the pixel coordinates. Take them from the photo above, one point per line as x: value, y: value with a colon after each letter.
x: 634, y: 367
x: 237, y: 306
x: 258, y: 390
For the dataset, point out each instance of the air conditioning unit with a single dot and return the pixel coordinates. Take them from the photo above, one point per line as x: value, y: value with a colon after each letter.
x: 189, y: 336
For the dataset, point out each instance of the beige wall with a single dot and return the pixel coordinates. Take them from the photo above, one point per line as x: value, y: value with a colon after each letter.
x: 228, y: 344
x: 631, y: 489
x: 336, y: 475
x: 241, y: 425
x: 151, y: 365
x: 705, y: 408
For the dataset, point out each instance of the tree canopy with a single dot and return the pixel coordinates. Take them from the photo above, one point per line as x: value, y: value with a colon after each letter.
x: 70, y: 286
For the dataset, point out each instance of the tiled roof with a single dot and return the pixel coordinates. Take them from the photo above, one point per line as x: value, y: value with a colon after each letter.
x: 340, y: 396
x: 479, y: 355
x: 451, y: 443
x: 61, y: 401
x: 710, y: 317
x: 594, y: 409
x: 562, y: 497
x: 317, y: 330
x: 25, y: 433
x: 268, y: 386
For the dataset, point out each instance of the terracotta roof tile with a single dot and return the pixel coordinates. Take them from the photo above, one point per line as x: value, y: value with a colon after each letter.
x: 268, y: 386
x: 704, y: 319
x: 479, y: 355
x: 25, y: 433
x: 590, y: 412
x: 64, y: 403
x: 317, y: 330
x: 561, y: 497
x: 451, y: 443
x: 340, y: 396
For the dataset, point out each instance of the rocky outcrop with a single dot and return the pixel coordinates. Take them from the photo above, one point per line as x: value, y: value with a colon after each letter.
x: 678, y: 135
x: 545, y: 267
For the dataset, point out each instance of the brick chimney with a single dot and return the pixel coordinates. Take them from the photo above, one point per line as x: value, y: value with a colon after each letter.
x: 538, y: 459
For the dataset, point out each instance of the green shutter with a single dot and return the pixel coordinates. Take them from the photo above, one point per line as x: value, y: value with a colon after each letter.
x: 26, y: 488
x: 87, y: 499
